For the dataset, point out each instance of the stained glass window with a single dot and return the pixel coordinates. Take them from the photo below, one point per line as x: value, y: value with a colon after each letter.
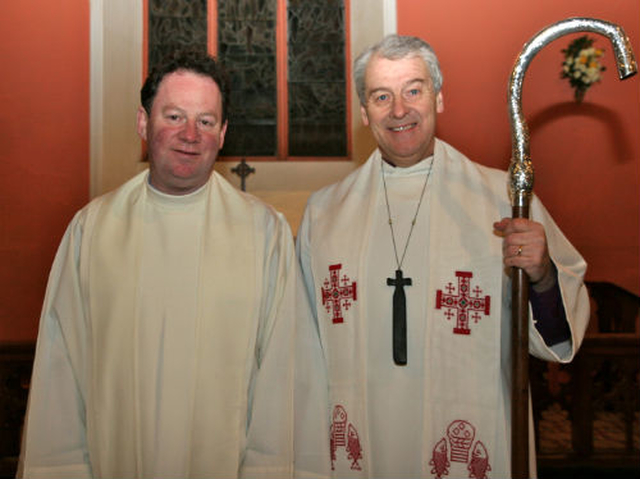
x: 315, y: 87
x: 317, y: 99
x: 175, y: 25
x: 247, y: 48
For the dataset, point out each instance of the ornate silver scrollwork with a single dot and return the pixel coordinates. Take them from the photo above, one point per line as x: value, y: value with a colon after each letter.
x: 521, y: 168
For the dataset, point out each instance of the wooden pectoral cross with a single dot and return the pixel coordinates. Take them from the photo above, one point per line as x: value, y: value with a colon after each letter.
x: 399, y: 318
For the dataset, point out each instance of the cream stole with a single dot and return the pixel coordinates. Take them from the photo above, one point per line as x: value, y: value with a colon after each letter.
x: 226, y: 330
x: 463, y: 425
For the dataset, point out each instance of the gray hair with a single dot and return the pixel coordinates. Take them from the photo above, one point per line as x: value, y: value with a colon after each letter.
x: 395, y: 47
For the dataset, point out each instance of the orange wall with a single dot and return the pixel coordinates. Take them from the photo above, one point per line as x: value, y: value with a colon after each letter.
x: 44, y: 147
x: 586, y: 157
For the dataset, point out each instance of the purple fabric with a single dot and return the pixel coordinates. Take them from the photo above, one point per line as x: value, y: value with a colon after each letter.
x: 548, y: 311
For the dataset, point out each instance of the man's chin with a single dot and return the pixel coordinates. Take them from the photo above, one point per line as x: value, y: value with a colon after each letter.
x: 404, y: 159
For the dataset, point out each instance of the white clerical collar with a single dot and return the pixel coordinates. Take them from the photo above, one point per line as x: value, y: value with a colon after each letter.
x: 420, y: 168
x: 166, y: 199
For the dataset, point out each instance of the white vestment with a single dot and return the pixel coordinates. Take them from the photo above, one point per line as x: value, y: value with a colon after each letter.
x: 447, y: 412
x: 166, y: 340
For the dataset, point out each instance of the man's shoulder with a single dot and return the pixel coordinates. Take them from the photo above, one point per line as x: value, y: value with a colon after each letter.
x: 465, y: 165
x: 336, y: 192
x: 249, y: 208
x: 86, y: 216
x: 249, y: 201
x: 121, y: 191
x: 260, y: 209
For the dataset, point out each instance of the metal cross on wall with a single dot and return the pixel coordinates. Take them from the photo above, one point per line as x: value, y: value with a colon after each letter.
x: 243, y: 170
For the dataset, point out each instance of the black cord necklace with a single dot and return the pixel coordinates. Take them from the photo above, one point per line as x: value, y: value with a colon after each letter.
x: 399, y: 282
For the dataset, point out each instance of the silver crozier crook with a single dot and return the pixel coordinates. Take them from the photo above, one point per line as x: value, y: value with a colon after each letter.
x: 521, y: 185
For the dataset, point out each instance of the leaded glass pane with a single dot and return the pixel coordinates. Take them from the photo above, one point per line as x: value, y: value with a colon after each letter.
x: 317, y: 84
x: 176, y: 25
x: 247, y: 48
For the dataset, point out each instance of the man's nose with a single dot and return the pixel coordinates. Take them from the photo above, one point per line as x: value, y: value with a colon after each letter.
x: 190, y: 132
x: 399, y: 108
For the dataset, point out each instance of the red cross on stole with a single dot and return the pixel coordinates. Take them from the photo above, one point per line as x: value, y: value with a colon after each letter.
x: 336, y: 296
x: 463, y: 303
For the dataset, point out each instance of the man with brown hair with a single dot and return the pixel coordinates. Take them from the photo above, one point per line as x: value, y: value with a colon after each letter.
x: 166, y: 339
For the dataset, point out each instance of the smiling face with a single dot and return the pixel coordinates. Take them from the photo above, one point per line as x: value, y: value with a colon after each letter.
x: 401, y: 108
x: 183, y: 132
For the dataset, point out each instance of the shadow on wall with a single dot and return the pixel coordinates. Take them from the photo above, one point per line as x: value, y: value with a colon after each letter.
x: 618, y: 137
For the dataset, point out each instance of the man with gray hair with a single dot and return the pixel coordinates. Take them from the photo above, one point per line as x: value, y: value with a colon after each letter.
x: 407, y: 263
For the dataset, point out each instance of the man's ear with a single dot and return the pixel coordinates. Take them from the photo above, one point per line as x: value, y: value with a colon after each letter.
x: 223, y: 132
x: 439, y: 102
x: 364, y: 115
x: 141, y: 123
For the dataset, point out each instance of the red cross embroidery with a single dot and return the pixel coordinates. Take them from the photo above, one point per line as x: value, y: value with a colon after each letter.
x: 463, y: 303
x: 334, y: 296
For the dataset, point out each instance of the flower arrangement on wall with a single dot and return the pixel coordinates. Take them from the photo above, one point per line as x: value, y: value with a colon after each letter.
x: 581, y: 65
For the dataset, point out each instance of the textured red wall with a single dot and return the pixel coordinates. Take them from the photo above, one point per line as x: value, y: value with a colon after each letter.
x: 586, y: 156
x: 44, y: 147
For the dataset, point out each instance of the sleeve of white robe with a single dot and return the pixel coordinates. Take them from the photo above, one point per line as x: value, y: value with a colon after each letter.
x: 311, y: 390
x: 575, y: 298
x: 269, y: 448
x: 54, y: 443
